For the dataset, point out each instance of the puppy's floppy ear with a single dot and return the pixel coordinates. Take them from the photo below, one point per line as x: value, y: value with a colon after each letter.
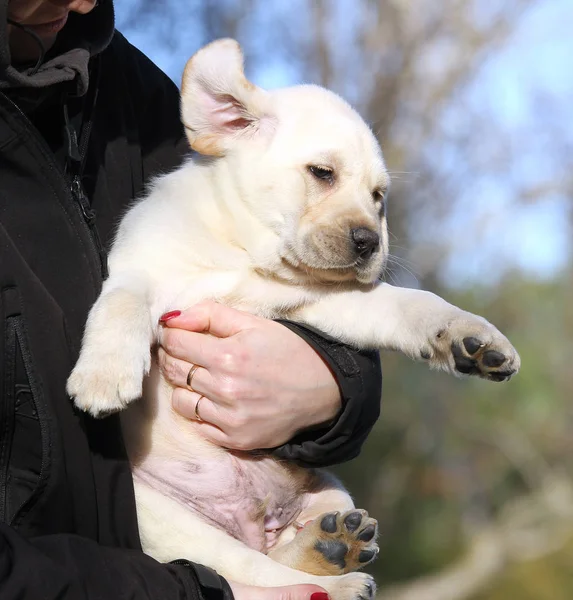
x: 218, y: 103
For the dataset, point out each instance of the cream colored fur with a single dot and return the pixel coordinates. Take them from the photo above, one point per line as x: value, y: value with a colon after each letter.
x: 250, y: 225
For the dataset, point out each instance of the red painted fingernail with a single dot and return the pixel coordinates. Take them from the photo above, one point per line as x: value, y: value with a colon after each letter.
x: 169, y: 315
x: 319, y: 596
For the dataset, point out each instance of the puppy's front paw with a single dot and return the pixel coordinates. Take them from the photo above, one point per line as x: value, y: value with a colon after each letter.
x: 469, y: 345
x: 107, y: 380
x: 336, y: 543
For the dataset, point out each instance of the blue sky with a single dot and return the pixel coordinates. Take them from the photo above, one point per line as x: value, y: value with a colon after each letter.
x: 531, y: 76
x: 528, y: 84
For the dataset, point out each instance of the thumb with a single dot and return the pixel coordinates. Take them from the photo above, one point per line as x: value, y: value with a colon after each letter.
x: 289, y: 592
x: 213, y: 318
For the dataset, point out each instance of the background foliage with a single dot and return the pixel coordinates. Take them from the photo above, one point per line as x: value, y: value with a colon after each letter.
x: 472, y: 482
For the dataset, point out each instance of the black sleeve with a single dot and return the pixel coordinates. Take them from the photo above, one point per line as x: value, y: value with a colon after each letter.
x: 359, y: 376
x: 69, y: 567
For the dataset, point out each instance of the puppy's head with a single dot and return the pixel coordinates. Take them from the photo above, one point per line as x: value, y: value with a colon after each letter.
x: 300, y: 159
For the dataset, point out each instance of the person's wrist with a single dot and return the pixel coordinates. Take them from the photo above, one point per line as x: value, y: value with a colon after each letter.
x: 327, y: 408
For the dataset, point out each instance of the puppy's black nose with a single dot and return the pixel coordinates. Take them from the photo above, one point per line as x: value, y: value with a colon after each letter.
x: 365, y: 241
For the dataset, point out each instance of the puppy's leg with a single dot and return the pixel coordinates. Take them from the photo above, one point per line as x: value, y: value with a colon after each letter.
x: 419, y: 324
x: 335, y: 537
x: 170, y: 531
x: 115, y: 353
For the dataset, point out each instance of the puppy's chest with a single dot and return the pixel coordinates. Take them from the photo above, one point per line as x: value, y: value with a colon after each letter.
x: 250, y: 498
x: 241, y: 289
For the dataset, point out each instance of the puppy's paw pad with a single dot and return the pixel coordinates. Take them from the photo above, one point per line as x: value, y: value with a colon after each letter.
x: 368, y: 533
x: 472, y: 345
x: 334, y: 551
x: 346, y: 541
x: 467, y: 344
x: 492, y: 358
x: 353, y: 520
x: 329, y: 523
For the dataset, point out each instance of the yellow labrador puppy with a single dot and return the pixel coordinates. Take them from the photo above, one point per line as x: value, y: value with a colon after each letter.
x: 286, y: 199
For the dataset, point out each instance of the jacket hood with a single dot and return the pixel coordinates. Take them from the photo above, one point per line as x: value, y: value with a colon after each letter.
x: 83, y: 36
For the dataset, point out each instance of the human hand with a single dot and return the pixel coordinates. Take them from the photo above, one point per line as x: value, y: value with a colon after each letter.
x: 291, y: 592
x: 261, y: 383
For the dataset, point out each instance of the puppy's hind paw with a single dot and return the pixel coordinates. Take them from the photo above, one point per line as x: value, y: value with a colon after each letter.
x: 336, y: 543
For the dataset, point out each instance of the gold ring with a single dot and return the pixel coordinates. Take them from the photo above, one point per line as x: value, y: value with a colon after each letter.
x: 197, y: 409
x: 190, y: 377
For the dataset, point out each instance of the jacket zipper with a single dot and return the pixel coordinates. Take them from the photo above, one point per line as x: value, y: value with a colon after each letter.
x: 89, y: 216
x: 76, y: 157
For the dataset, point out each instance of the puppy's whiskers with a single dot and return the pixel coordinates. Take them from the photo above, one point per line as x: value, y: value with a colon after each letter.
x: 399, y: 262
x: 395, y: 175
x: 403, y: 259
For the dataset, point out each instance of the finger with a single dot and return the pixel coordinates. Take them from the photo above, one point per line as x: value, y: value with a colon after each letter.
x: 191, y: 347
x: 207, y: 378
x: 212, y: 422
x: 211, y: 433
x: 213, y: 318
x: 215, y: 435
x: 213, y: 419
x: 196, y: 407
x: 219, y: 437
x: 177, y: 373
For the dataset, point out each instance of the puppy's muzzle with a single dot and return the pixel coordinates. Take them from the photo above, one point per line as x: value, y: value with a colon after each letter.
x: 365, y: 242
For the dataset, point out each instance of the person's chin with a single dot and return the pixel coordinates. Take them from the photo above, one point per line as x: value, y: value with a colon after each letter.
x: 26, y: 49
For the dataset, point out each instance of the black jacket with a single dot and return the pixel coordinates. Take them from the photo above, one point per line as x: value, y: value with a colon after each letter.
x: 68, y: 525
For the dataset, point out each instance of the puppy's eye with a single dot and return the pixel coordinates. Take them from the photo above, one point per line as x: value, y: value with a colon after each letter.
x: 322, y: 173
x: 379, y: 197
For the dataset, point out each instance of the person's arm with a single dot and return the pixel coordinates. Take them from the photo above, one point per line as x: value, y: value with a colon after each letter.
x: 359, y: 377
x: 260, y: 385
x: 69, y: 567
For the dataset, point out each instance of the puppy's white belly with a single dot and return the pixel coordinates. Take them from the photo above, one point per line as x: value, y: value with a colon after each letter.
x: 169, y: 530
x: 252, y: 498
